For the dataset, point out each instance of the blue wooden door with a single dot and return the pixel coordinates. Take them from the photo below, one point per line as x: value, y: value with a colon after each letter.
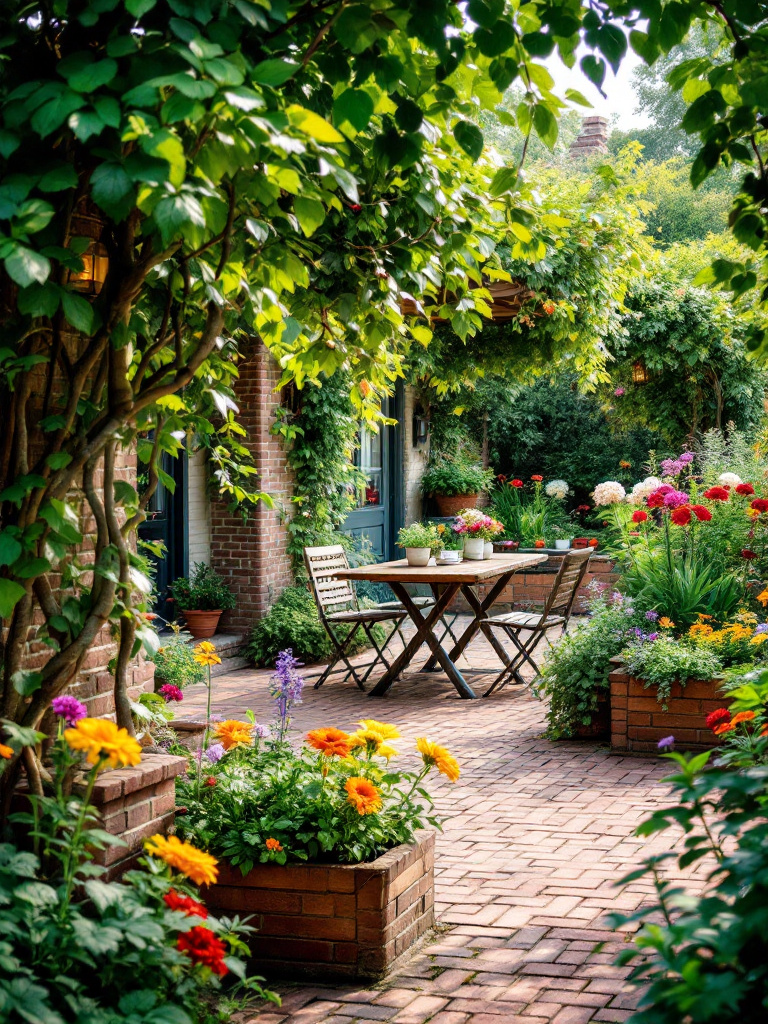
x: 370, y: 523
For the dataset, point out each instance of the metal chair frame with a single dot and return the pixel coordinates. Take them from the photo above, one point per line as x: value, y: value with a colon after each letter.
x: 337, y: 605
x: 556, y: 612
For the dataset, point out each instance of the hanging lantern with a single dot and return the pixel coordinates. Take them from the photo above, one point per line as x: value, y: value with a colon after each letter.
x: 90, y: 279
x: 639, y: 372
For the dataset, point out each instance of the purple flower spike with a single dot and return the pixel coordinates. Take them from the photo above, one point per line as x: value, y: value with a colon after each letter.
x: 260, y: 732
x: 69, y: 708
x: 215, y: 752
x: 686, y: 458
x: 667, y: 743
x: 762, y: 627
x: 651, y: 616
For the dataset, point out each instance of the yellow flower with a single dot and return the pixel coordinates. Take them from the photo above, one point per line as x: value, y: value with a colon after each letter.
x: 199, y: 866
x: 233, y: 733
x: 763, y: 598
x: 205, y: 654
x: 371, y: 739
x: 759, y: 638
x: 388, y: 732
x: 753, y: 513
x: 363, y: 795
x: 6, y: 752
x: 103, y: 741
x: 385, y: 750
x: 434, y: 754
x: 666, y: 623
x: 700, y: 629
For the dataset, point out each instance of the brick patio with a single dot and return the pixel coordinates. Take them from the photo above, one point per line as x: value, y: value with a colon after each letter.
x: 537, y: 834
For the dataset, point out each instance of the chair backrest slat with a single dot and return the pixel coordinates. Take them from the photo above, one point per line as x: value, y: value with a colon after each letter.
x: 566, y: 584
x: 330, y: 594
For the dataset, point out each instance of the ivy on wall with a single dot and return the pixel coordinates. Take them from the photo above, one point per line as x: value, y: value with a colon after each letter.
x: 320, y: 439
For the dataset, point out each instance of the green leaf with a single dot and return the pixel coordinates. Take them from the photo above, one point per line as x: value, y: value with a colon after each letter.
x: 612, y: 43
x: 504, y: 180
x: 409, y: 116
x: 577, y: 97
x: 139, y: 7
x: 312, y: 124
x: 93, y: 76
x: 469, y: 137
x: 545, y: 125
x: 485, y: 12
x: 10, y: 548
x: 175, y: 213
x: 493, y: 42
x: 59, y: 178
x: 26, y: 267
x: 10, y: 595
x: 39, y: 299
x: 9, y: 143
x: 275, y: 71
x: 33, y: 567
x: 85, y: 123
x: 78, y: 311
x: 310, y: 214
x: 58, y: 460
x: 355, y: 106
x: 26, y: 682
x: 112, y: 190
x: 594, y: 68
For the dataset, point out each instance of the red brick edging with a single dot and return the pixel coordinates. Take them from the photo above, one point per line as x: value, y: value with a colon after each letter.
x: 334, y: 920
x: 638, y: 721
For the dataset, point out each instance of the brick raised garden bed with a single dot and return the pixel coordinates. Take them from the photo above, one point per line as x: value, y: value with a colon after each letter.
x: 333, y: 920
x: 638, y: 721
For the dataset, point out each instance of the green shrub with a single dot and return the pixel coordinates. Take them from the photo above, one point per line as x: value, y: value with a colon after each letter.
x: 454, y: 478
x: 203, y: 590
x: 666, y: 660
x: 420, y: 535
x: 292, y: 621
x: 175, y: 662
x: 576, y: 669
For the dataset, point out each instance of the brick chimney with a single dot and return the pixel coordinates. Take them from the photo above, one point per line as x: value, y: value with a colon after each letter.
x: 592, y: 139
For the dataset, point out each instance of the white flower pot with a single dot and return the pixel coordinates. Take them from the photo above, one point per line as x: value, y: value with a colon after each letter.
x: 562, y: 545
x: 418, y: 556
x: 474, y: 548
x: 488, y: 549
x: 450, y: 556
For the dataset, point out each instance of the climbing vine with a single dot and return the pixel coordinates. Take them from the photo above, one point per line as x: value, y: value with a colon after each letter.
x: 320, y: 438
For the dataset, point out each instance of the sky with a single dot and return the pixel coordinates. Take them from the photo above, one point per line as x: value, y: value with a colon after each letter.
x: 621, y: 99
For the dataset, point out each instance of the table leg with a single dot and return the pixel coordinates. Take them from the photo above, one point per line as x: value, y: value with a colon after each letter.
x: 424, y: 634
x: 480, y: 609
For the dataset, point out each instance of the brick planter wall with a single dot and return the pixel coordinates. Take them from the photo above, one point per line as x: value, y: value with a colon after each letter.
x: 135, y: 803
x: 638, y: 722
x: 333, y: 920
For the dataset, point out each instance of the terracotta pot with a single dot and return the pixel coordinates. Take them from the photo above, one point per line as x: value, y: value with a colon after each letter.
x: 452, y: 504
x: 202, y: 624
x: 505, y: 547
x: 581, y: 542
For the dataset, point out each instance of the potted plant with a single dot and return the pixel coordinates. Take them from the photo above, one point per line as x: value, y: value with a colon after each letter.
x: 202, y: 597
x: 455, y: 485
x: 333, y: 821
x: 421, y: 541
x: 562, y: 538
x: 478, y: 531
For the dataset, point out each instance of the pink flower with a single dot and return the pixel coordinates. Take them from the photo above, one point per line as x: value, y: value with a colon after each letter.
x: 69, y: 708
x: 619, y: 392
x: 170, y: 692
x: 674, y: 499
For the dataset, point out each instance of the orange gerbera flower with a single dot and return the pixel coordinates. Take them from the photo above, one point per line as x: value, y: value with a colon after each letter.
x: 274, y: 845
x: 331, y: 742
x: 434, y: 754
x: 363, y: 795
x: 763, y: 598
x: 102, y: 741
x: 742, y: 716
x: 199, y: 866
x: 233, y: 733
x: 6, y: 752
x: 666, y: 623
x: 725, y: 727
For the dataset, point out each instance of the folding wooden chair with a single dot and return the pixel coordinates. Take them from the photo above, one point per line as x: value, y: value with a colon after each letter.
x: 337, y: 606
x: 556, y: 612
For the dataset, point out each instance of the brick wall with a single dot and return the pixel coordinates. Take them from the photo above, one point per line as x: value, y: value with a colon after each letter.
x: 638, y: 721
x: 252, y: 556
x: 333, y: 920
x: 198, y: 510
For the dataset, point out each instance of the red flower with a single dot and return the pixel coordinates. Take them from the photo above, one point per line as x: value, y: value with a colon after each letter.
x: 593, y: 542
x: 761, y: 504
x: 745, y: 489
x: 717, y: 494
x: 582, y: 508
x: 501, y: 478
x: 549, y: 307
x: 355, y: 207
x: 701, y: 512
x: 175, y: 901
x: 537, y: 478
x: 749, y: 555
x: 202, y: 946
x: 539, y: 544
x: 681, y: 516
x: 634, y: 533
x: 639, y: 516
x: 655, y: 500
x: 715, y: 717
x: 211, y: 780
x: 516, y: 483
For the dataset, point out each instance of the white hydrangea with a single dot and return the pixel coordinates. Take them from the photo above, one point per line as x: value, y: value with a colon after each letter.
x: 729, y: 480
x: 642, y: 489
x: 557, y: 489
x: 610, y: 492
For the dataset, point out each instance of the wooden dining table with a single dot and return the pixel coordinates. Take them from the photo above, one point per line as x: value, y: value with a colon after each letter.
x: 445, y: 581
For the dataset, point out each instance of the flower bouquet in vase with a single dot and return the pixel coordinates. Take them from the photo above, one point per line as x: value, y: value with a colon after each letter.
x: 478, y: 531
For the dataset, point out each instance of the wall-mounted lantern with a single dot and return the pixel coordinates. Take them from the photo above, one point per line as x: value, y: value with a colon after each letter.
x: 94, y: 273
x: 640, y: 373
x: 420, y: 428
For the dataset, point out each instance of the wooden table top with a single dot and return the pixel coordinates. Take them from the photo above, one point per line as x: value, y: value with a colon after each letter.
x: 465, y: 572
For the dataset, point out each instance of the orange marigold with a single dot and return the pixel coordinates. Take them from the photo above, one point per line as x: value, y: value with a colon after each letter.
x: 725, y: 727
x: 331, y: 742
x: 232, y: 733
x: 6, y: 752
x: 666, y: 623
x: 274, y: 845
x: 742, y: 716
x: 363, y: 795
x: 434, y: 754
x: 194, y: 863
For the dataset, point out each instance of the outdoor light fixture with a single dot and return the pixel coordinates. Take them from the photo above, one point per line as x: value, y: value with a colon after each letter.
x: 420, y: 429
x: 94, y: 273
x: 639, y: 372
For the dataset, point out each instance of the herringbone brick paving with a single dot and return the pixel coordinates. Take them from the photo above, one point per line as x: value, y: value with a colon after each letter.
x: 535, y: 837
